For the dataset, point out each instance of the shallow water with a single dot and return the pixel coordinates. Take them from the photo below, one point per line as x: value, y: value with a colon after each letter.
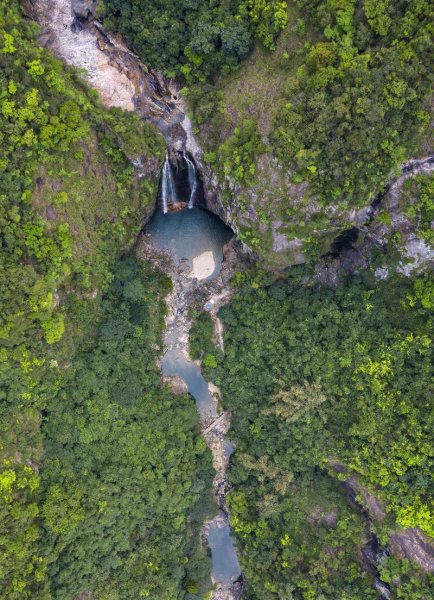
x: 225, y: 566
x: 174, y: 363
x: 188, y: 234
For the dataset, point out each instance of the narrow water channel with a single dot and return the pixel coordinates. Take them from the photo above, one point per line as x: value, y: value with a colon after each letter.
x: 194, y: 239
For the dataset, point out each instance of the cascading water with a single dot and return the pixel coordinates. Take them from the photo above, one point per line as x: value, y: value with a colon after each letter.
x: 168, y: 186
x: 192, y: 180
x: 180, y: 185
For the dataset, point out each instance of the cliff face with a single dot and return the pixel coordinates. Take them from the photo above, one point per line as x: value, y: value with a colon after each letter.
x: 275, y: 215
x: 257, y: 214
x: 277, y: 209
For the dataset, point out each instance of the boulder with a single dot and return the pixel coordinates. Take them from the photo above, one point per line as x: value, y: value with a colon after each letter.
x: 84, y: 9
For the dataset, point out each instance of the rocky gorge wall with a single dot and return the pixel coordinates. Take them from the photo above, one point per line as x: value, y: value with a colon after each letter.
x: 257, y: 210
x: 254, y: 212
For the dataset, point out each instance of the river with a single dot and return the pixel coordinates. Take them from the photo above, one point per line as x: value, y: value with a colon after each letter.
x: 194, y: 240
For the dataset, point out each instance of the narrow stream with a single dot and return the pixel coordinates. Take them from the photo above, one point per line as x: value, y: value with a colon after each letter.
x: 194, y: 239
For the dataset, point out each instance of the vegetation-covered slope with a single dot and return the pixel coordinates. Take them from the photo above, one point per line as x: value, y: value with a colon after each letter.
x: 195, y: 39
x: 316, y: 378
x: 310, y: 127
x: 93, y: 480
x: 340, y: 103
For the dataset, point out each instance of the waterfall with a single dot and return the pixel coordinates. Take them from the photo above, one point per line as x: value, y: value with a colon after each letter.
x: 164, y: 183
x: 192, y: 180
x: 168, y: 188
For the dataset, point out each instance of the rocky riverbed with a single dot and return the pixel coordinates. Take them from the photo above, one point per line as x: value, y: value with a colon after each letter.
x: 207, y: 286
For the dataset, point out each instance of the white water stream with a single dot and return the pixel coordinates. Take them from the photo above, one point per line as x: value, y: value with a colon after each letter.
x: 192, y: 179
x: 168, y: 188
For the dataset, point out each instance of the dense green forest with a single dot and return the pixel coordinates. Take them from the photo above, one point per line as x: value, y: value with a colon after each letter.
x: 98, y: 493
x: 316, y: 377
x: 104, y: 479
x: 355, y: 88
x: 195, y: 39
x: 356, y: 102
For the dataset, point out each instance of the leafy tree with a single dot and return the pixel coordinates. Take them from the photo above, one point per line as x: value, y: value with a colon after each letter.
x: 312, y: 375
x: 238, y: 154
x: 269, y: 18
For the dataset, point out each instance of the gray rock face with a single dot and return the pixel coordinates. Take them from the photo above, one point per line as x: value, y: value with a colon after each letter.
x: 382, y: 588
x: 411, y: 544
x: 381, y: 273
x: 112, y: 69
x: 84, y: 9
x: 417, y: 255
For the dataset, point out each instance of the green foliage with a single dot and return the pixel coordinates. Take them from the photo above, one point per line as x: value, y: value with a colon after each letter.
x: 205, y: 101
x: 21, y: 559
x: 94, y: 486
x: 237, y: 156
x: 195, y: 39
x: 117, y: 479
x: 201, y: 336
x: 210, y: 361
x: 411, y: 582
x: 312, y: 375
x: 355, y: 103
x: 418, y: 200
x: 269, y: 17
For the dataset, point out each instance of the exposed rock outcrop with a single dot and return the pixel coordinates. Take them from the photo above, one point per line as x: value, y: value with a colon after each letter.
x: 416, y: 253
x: 272, y: 206
x: 409, y: 543
x: 112, y: 69
x: 84, y: 8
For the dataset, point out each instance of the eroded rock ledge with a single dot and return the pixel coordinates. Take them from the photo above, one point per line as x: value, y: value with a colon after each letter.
x: 122, y: 80
x: 409, y: 543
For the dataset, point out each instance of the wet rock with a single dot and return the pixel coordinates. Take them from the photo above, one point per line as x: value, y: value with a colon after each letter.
x: 176, y: 383
x: 285, y: 204
x: 359, y: 496
x: 375, y: 507
x: 373, y: 555
x: 383, y: 588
